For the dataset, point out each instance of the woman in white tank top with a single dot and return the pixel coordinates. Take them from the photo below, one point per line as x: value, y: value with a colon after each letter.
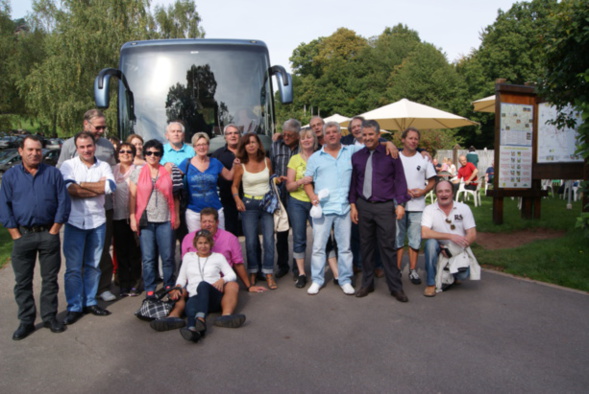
x: 254, y: 175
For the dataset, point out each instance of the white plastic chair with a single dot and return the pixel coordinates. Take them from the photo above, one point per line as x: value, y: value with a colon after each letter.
x: 568, y: 186
x: 476, y: 194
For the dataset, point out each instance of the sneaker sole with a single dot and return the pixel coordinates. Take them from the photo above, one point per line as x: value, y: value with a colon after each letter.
x: 191, y: 336
x: 416, y: 281
x: 167, y: 325
x: 236, y: 322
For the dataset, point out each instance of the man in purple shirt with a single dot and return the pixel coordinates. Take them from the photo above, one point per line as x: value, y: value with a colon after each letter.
x: 228, y: 245
x: 378, y: 193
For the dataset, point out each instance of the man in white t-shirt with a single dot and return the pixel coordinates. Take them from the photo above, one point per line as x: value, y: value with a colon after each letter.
x: 443, y: 222
x: 420, y: 175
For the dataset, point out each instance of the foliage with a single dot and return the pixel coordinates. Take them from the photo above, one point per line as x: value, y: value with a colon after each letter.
x: 81, y: 39
x: 510, y: 49
x: 347, y: 74
x: 20, y: 50
x: 566, y: 76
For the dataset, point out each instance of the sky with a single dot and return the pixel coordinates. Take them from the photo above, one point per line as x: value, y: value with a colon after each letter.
x: 454, y: 26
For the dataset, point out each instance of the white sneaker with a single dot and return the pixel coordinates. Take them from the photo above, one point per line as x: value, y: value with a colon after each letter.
x: 313, y: 289
x: 348, y: 289
x: 108, y: 296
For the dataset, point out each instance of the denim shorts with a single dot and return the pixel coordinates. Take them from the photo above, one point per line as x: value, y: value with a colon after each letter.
x: 410, y: 226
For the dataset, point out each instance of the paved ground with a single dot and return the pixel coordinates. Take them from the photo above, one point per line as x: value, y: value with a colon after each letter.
x: 498, y: 335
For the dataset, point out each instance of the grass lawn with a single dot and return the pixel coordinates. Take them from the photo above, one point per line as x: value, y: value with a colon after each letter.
x: 563, y: 261
x: 5, y: 246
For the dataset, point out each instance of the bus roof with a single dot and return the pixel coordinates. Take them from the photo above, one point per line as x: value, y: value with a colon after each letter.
x: 193, y: 41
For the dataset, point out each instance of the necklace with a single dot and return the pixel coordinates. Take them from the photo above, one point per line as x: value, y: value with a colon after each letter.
x: 201, y: 268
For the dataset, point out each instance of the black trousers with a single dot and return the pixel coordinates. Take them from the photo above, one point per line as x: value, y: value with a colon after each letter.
x: 128, y: 254
x: 24, y: 256
x: 106, y: 266
x: 377, y: 223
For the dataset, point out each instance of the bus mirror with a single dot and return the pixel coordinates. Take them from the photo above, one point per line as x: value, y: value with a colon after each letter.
x: 102, y: 90
x: 284, y: 80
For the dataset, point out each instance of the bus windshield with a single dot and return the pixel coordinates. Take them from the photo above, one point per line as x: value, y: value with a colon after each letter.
x: 207, y: 86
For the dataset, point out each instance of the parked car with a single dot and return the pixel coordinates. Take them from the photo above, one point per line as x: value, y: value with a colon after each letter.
x: 8, y: 141
x: 54, y: 143
x: 50, y: 156
x: 10, y: 158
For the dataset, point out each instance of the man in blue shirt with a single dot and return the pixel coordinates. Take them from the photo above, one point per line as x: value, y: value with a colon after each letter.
x: 175, y: 152
x: 34, y: 204
x: 378, y: 193
x: 331, y: 169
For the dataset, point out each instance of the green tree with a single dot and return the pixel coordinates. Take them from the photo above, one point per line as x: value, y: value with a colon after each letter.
x: 566, y: 73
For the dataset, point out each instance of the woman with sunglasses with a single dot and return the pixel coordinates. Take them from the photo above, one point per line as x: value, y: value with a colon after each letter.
x: 254, y: 175
x: 137, y: 141
x: 154, y: 213
x: 125, y: 243
x: 204, y: 274
x: 202, y: 174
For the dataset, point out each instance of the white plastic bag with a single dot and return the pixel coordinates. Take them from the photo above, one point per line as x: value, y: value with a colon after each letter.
x: 316, y: 211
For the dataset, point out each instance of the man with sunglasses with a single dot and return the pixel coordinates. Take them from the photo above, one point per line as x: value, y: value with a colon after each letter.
x: 95, y: 124
x: 446, y: 225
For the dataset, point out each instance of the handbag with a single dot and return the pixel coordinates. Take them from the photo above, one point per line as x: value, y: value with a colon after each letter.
x: 143, y: 219
x: 280, y: 215
x: 155, y: 308
x: 271, y: 200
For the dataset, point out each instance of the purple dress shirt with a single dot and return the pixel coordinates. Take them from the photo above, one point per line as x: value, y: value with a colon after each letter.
x: 388, y: 177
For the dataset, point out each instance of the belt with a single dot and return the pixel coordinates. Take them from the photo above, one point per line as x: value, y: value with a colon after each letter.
x: 253, y: 197
x: 33, y: 229
x: 375, y: 202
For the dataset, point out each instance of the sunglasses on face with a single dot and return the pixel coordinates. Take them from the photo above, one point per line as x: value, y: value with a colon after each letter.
x: 125, y: 152
x: 155, y: 153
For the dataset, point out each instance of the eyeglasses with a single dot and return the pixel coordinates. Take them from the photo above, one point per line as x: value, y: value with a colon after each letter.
x: 452, y: 226
x: 99, y: 127
x: 125, y: 152
x: 201, y: 145
x: 232, y: 133
x: 152, y: 152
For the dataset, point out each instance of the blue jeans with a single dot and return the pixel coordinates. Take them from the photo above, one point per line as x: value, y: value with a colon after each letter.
x: 157, y: 237
x: 250, y: 219
x: 342, y: 231
x: 207, y: 299
x: 432, y: 251
x: 82, y: 250
x: 298, y: 215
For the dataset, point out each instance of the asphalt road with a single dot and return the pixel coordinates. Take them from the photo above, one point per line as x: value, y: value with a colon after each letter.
x: 501, y: 334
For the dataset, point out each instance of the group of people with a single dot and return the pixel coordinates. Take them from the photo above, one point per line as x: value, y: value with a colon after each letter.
x: 143, y: 197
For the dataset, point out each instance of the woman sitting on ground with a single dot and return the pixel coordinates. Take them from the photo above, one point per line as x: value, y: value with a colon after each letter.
x: 201, y: 275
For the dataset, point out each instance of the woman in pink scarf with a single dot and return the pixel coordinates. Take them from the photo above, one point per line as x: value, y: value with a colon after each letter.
x: 154, y: 214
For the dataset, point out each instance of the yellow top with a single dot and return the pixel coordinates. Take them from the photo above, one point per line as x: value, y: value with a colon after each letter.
x: 299, y: 165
